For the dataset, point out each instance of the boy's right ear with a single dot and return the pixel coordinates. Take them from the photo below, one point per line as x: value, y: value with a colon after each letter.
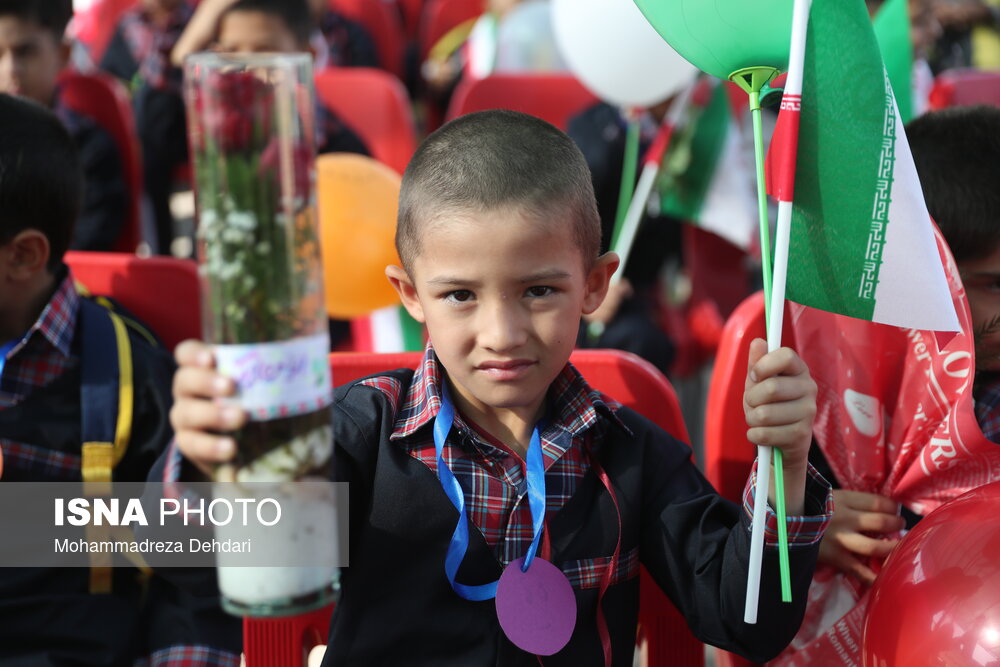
x: 401, y: 282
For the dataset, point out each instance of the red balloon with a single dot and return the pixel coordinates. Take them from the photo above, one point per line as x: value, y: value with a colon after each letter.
x: 937, y: 599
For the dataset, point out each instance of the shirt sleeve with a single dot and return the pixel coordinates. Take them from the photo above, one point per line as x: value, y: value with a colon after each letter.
x: 805, y: 529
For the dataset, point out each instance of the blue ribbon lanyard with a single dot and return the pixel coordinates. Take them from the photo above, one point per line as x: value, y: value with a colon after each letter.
x: 460, y: 538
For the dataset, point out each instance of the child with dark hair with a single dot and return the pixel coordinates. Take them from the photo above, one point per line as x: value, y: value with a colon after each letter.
x: 957, y: 154
x: 32, y: 55
x: 499, y: 238
x: 61, y: 616
x: 253, y: 26
x: 139, y: 55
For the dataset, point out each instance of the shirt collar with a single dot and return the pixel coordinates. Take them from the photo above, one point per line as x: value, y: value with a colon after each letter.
x: 57, y: 321
x: 575, y: 405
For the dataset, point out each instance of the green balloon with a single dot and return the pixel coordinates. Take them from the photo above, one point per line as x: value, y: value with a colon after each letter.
x: 722, y: 36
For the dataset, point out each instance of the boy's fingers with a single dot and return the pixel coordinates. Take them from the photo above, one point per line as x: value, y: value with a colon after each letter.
x: 199, y: 415
x: 204, y: 449
x: 194, y: 353
x: 780, y: 436
x: 782, y: 361
x: 201, y: 383
x: 779, y: 389
x: 863, y: 545
x: 877, y: 522
x: 779, y: 414
x: 861, y: 571
x: 868, y: 502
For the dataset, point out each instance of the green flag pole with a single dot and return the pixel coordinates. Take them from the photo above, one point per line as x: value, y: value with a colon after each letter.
x: 753, y: 80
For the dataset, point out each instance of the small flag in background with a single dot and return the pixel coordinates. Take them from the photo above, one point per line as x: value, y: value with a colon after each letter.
x: 708, y: 180
x: 862, y: 242
x: 389, y: 329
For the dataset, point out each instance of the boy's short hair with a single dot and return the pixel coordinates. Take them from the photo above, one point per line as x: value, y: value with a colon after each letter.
x: 294, y: 14
x: 41, y: 181
x: 957, y: 153
x: 52, y: 15
x: 492, y: 160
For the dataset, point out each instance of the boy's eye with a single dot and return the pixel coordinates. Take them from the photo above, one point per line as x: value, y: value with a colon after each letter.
x: 458, y: 296
x: 539, y: 290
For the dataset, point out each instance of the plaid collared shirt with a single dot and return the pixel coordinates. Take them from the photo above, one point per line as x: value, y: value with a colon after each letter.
x: 493, y: 478
x: 44, y: 352
x: 36, y: 360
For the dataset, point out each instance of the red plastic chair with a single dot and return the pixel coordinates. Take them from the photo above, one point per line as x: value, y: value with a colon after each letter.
x: 728, y: 454
x: 381, y: 20
x: 632, y: 381
x: 553, y: 97
x: 963, y: 87
x: 440, y: 16
x: 105, y: 100
x: 411, y: 11
x: 374, y: 103
x: 163, y: 292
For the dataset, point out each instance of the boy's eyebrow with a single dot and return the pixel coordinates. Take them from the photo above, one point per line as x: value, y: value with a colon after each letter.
x: 542, y: 276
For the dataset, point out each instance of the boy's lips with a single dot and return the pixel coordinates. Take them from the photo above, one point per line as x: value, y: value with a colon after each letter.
x: 506, y: 370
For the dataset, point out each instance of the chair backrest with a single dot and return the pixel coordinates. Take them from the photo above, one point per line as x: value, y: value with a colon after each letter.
x: 105, y: 100
x: 440, y: 16
x: 382, y: 21
x: 552, y: 97
x: 963, y: 87
x: 375, y: 104
x: 163, y: 292
x: 410, y: 11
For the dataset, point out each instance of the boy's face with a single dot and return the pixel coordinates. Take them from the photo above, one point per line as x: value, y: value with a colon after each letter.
x: 981, y: 278
x: 255, y: 32
x: 501, y: 295
x: 30, y: 60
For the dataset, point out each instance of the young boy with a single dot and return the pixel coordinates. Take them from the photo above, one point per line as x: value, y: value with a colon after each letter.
x: 61, y: 616
x: 957, y: 153
x: 499, y: 238
x: 32, y: 54
x: 255, y: 26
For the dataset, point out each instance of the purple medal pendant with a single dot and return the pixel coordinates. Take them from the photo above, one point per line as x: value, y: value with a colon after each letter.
x: 535, y: 602
x: 536, y: 607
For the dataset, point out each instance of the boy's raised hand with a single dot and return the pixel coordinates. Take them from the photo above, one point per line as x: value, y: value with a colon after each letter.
x: 853, y: 536
x: 201, y: 414
x: 779, y: 402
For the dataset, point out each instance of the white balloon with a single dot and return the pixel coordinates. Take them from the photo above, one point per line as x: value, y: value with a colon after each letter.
x: 614, y: 51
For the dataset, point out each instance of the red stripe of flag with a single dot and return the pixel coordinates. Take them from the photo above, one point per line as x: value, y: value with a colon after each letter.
x: 780, y: 166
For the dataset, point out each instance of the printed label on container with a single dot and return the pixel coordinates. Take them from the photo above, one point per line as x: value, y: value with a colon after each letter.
x: 280, y: 379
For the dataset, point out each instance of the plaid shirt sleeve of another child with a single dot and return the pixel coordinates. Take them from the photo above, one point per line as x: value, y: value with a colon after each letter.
x: 805, y: 529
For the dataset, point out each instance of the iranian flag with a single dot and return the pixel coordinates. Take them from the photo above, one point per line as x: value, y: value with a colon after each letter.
x: 709, y: 179
x: 389, y: 329
x: 852, y: 218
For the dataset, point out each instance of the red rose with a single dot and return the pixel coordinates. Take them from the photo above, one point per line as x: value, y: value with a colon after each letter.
x: 301, y: 163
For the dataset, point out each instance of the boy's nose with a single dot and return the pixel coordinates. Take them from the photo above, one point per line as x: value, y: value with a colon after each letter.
x: 501, y: 326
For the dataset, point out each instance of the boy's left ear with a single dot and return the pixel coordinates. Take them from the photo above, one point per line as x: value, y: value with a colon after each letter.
x: 598, y: 280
